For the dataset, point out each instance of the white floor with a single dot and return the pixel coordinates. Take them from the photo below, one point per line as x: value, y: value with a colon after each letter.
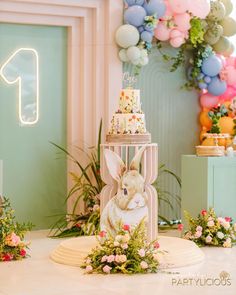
x: 38, y: 275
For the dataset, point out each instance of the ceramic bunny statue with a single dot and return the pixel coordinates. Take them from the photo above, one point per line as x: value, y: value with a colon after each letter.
x: 129, y: 205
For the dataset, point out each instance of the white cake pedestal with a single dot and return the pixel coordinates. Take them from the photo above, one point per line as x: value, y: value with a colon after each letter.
x: 179, y: 253
x: 149, y: 171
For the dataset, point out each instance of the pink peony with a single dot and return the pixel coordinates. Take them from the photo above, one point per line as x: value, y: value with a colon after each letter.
x: 88, y: 268
x: 120, y: 258
x: 107, y: 269
x: 144, y: 265
x: 12, y: 240
x: 198, y: 228
x: 124, y: 246
x: 126, y: 227
x: 180, y: 227
x: 204, y: 212
x: 110, y: 258
x: 141, y: 253
x: 102, y: 234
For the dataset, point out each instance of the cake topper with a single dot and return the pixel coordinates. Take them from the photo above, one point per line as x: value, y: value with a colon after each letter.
x: 129, y: 80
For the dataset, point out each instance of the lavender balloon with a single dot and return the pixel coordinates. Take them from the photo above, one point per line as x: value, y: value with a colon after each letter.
x: 134, y: 2
x: 157, y: 7
x: 134, y: 15
x: 217, y: 87
x: 212, y: 66
x: 146, y: 36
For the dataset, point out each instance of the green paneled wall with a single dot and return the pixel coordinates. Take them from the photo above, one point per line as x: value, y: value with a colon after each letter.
x: 171, y: 115
x: 33, y: 177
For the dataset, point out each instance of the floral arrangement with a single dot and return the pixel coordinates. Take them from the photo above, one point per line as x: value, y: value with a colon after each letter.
x: 209, y: 230
x: 12, y: 234
x: 127, y: 253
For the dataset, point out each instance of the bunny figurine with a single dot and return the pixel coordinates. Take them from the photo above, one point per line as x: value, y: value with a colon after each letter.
x: 129, y: 205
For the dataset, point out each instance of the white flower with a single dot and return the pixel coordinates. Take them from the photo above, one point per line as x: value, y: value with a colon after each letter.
x: 119, y: 238
x: 144, y: 265
x: 199, y: 228
x: 116, y: 244
x: 208, y: 239
x: 198, y: 234
x: 227, y: 243
x: 226, y: 225
x: 88, y: 268
x: 141, y: 252
x: 125, y: 238
x: 210, y: 223
x: 220, y: 235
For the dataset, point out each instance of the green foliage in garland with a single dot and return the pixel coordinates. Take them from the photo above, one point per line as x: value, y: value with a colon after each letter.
x: 197, y: 31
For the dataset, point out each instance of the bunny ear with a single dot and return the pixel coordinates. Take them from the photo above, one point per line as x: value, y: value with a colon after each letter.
x: 134, y: 165
x: 115, y: 164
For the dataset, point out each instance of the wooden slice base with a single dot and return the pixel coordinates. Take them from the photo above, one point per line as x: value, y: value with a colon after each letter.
x: 129, y: 138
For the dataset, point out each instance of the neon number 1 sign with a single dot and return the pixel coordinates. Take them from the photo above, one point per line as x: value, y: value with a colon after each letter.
x: 22, y: 67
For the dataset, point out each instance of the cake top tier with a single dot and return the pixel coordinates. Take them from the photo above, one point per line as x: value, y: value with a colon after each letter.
x: 129, y: 102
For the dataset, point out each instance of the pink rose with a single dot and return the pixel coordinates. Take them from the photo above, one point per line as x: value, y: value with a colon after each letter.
x: 180, y: 227
x: 12, y: 240
x: 22, y: 252
x: 126, y: 227
x: 198, y: 234
x: 110, y: 258
x: 144, y: 265
x: 124, y: 246
x: 141, y: 252
x: 102, y: 234
x: 199, y: 228
x: 88, y: 268
x: 228, y: 219
x: 156, y: 245
x: 204, y: 212
x: 208, y: 239
x: 107, y: 269
x: 104, y: 258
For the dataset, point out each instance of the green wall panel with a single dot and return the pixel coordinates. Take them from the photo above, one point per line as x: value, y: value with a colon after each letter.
x: 171, y: 115
x: 33, y: 178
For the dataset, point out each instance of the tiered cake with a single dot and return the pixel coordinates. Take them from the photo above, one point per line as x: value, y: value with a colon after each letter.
x: 128, y: 123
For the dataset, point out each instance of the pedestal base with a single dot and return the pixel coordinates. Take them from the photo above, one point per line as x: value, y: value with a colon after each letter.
x: 180, y: 252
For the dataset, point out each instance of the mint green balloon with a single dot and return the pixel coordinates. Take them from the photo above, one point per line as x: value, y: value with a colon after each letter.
x: 228, y: 6
x: 229, y: 26
x: 222, y: 46
x: 126, y: 36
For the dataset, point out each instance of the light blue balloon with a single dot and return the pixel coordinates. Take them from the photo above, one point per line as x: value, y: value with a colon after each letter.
x: 207, y: 79
x: 202, y: 85
x: 149, y: 27
x: 134, y: 2
x: 157, y: 7
x: 217, y: 87
x: 146, y: 36
x: 212, y: 66
x: 134, y: 15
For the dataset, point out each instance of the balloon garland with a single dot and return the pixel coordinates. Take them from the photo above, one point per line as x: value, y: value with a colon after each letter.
x: 201, y: 27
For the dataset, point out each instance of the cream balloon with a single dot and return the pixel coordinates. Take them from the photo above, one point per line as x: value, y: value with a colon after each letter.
x: 217, y: 12
x: 222, y: 46
x: 123, y: 55
x: 127, y: 36
x: 230, y: 50
x: 228, y: 6
x: 133, y: 53
x: 229, y: 26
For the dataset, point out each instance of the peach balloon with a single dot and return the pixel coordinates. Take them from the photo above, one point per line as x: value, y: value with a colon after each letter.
x: 205, y: 121
x: 208, y: 142
x: 208, y: 100
x: 231, y: 75
x: 226, y: 125
x: 162, y: 33
x: 182, y: 21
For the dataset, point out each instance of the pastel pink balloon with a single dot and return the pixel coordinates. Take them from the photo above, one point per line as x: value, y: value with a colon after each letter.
x: 222, y: 58
x: 231, y: 75
x: 177, y: 42
x: 179, y: 6
x: 182, y: 21
x: 231, y: 61
x: 161, y: 32
x: 229, y: 94
x: 175, y: 33
x: 209, y: 101
x: 200, y: 8
x: 169, y: 13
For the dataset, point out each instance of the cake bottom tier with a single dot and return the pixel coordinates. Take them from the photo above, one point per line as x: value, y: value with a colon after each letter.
x: 179, y: 252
